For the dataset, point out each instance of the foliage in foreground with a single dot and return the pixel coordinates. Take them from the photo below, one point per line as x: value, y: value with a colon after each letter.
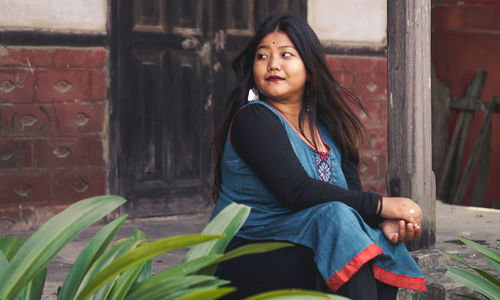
x: 123, y: 270
x: 482, y: 282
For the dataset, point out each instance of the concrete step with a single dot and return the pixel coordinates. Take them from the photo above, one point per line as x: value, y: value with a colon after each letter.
x: 434, y: 266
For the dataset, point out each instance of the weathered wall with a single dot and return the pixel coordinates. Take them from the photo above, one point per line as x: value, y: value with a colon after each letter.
x: 355, y: 28
x: 466, y: 37
x: 361, y: 22
x: 54, y: 15
x: 52, y: 129
x: 366, y: 77
x: 53, y: 109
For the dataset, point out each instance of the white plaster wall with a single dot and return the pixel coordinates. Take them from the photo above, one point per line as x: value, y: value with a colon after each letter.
x: 54, y: 15
x: 349, y: 21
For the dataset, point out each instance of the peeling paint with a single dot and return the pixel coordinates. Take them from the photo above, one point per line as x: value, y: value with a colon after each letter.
x: 209, y: 102
x: 3, y: 51
x: 190, y: 43
x: 372, y: 87
x: 29, y: 66
x: 204, y: 53
x: 217, y: 67
x: 220, y: 40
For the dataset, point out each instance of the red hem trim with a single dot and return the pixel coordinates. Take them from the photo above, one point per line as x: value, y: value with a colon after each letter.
x: 342, y: 276
x: 406, y: 282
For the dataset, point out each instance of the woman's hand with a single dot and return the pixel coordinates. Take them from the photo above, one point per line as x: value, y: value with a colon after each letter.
x: 398, y: 231
x: 401, y: 209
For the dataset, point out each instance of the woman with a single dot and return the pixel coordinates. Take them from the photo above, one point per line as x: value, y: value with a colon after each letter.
x: 291, y: 156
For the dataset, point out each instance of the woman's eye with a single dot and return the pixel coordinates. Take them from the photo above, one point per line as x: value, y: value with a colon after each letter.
x: 287, y: 54
x: 261, y: 56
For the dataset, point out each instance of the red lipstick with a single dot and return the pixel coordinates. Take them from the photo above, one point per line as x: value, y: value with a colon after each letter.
x: 274, y: 78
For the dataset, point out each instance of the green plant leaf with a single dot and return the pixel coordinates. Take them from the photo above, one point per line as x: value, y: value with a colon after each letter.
x: 455, y: 257
x: 4, y: 263
x: 483, y: 273
x: 138, y: 234
x: 140, y: 255
x: 9, y: 245
x: 147, y: 269
x: 494, y: 264
x: 96, y: 246
x: 47, y: 241
x: 293, y: 294
x: 34, y: 289
x: 227, y: 222
x: 162, y: 290
x: 484, y: 250
x: 124, y: 282
x: 173, y: 272
x: 119, y: 248
x: 475, y: 282
x: 128, y: 277
x: 205, y: 293
x: 146, y: 272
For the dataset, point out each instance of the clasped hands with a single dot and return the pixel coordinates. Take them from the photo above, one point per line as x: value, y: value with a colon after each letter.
x: 403, y: 219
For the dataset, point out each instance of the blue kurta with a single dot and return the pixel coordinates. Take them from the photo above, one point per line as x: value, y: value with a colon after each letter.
x: 340, y: 239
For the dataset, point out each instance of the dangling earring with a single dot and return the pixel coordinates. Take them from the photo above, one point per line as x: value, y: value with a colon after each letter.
x: 253, y: 94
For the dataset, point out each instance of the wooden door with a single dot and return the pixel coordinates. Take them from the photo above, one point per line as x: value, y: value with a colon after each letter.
x: 170, y: 76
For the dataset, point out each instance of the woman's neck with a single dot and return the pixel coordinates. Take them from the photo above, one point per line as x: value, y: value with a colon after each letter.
x: 290, y: 110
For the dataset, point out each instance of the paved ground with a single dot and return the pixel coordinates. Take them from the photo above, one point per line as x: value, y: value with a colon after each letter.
x: 479, y: 224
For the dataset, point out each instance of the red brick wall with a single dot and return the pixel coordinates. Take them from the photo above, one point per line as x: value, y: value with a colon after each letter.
x: 466, y: 38
x: 366, y: 77
x: 52, y: 130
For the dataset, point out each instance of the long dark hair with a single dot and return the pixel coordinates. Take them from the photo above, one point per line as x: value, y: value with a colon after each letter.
x: 324, y: 96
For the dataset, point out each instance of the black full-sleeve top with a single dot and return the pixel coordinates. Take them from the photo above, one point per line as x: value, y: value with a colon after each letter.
x: 258, y: 136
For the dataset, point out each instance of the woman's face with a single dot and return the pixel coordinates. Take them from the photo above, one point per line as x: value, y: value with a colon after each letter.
x: 279, y: 72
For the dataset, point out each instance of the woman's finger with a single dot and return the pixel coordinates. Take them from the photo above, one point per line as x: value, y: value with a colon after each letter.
x: 410, y: 232
x: 418, y: 232
x: 395, y: 238
x: 402, y: 234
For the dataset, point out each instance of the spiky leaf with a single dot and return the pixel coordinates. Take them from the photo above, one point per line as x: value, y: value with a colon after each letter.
x: 484, y: 250
x: 227, y: 222
x: 47, y: 241
x: 140, y: 255
x: 475, y: 282
x: 293, y: 294
x: 96, y: 246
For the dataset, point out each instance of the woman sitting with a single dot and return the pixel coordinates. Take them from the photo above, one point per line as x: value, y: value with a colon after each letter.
x: 289, y: 150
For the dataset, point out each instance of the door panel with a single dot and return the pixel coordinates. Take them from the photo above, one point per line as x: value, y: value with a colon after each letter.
x: 172, y: 75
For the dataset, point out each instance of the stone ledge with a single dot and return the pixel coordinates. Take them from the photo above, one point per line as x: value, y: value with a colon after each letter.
x: 434, y: 266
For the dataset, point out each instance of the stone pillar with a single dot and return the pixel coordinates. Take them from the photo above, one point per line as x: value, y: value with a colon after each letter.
x: 409, y: 110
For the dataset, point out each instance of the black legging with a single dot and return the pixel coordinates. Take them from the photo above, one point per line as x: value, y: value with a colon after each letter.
x: 293, y: 267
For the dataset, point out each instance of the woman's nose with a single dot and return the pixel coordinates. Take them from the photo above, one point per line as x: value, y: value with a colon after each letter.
x: 273, y: 65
